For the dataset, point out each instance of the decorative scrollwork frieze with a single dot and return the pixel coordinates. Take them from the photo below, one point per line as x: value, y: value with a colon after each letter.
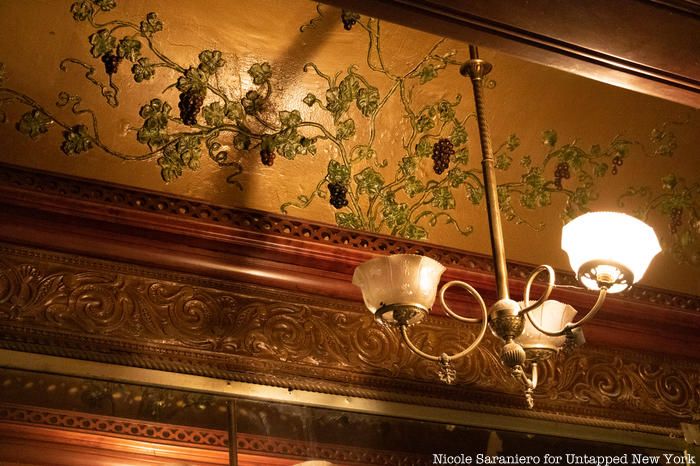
x: 96, y: 310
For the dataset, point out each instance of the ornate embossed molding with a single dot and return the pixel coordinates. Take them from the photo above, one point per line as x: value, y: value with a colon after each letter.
x: 104, y: 311
x: 151, y: 431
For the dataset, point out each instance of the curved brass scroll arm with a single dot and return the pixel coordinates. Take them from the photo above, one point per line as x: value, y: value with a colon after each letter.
x: 447, y: 373
x: 568, y: 328
x: 547, y: 292
x: 470, y: 289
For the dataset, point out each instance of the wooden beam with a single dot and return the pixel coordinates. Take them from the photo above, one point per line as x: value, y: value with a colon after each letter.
x: 649, y: 46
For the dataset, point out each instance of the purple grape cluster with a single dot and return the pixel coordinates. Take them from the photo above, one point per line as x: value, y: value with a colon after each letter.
x: 349, y: 19
x: 442, y: 151
x: 561, y: 173
x: 676, y: 219
x: 617, y: 162
x: 267, y: 157
x: 190, y: 104
x: 111, y: 62
x: 338, y: 195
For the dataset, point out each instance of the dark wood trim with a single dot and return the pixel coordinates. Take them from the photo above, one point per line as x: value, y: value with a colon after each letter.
x: 150, y: 229
x: 610, y: 42
x: 689, y: 7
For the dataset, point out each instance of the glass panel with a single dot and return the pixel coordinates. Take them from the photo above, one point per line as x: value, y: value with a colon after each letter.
x: 50, y: 419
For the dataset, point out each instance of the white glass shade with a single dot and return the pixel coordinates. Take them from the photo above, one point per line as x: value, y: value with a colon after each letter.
x: 609, y: 238
x: 399, y: 279
x: 551, y: 316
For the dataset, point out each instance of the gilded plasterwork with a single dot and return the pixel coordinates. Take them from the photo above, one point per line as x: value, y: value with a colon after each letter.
x: 341, y: 118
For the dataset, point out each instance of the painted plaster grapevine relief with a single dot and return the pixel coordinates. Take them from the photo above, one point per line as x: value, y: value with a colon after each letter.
x: 196, y: 118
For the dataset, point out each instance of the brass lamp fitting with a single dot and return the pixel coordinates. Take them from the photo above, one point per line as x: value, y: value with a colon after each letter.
x: 505, y: 319
x: 400, y: 315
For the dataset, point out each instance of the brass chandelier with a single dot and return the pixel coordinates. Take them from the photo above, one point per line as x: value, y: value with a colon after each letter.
x: 401, y: 289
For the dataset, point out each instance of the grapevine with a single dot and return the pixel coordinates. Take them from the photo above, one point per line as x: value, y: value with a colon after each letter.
x: 405, y: 194
x: 676, y: 202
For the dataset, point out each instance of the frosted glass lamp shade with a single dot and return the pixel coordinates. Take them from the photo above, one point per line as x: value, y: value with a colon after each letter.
x: 398, y: 282
x: 609, y: 247
x: 551, y: 316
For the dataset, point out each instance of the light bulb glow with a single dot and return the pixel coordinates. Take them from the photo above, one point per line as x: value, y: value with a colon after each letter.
x: 609, y: 238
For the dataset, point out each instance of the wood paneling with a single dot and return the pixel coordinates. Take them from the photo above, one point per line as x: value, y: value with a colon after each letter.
x: 646, y: 46
x: 154, y: 230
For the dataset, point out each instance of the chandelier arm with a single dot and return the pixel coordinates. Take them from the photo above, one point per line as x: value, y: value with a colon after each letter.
x: 574, y: 325
x: 470, y: 290
x: 594, y: 310
x: 450, y: 357
x: 482, y: 333
x: 545, y: 295
x: 414, y: 348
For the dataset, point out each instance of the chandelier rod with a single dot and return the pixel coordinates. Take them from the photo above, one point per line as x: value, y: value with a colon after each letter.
x: 476, y: 69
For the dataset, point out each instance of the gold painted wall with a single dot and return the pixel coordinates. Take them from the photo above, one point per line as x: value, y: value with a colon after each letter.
x: 385, y: 101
